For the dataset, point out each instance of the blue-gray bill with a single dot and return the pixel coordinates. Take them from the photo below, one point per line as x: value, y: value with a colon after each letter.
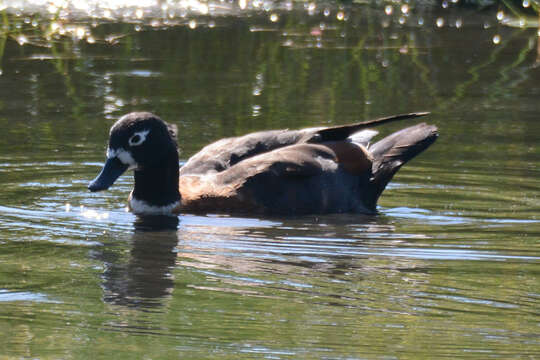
x: 111, y: 171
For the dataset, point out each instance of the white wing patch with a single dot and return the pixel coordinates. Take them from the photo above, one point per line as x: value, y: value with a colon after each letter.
x: 327, y: 164
x: 363, y: 137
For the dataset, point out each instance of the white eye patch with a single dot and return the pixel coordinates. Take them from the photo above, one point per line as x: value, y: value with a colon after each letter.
x: 138, y: 138
x: 123, y: 155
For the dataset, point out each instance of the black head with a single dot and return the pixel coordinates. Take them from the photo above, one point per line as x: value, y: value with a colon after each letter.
x: 139, y: 140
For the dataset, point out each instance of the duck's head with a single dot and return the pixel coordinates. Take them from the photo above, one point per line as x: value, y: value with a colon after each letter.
x: 139, y: 141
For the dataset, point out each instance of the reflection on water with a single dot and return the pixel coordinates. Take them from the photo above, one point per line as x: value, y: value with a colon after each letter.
x: 401, y: 272
x: 448, y: 268
x: 43, y: 23
x: 146, y: 275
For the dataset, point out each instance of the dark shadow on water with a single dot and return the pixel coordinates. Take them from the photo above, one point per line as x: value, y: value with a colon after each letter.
x: 156, y: 223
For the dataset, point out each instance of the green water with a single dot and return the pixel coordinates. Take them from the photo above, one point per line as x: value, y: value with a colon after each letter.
x: 449, y: 268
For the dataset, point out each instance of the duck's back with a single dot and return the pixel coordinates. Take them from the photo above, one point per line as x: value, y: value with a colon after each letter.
x: 317, y: 170
x: 280, y: 171
x: 224, y: 153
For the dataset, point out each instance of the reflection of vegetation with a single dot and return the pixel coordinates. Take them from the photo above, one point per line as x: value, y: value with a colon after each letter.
x: 474, y: 71
x: 248, y: 74
x: 3, y: 38
x: 521, y: 8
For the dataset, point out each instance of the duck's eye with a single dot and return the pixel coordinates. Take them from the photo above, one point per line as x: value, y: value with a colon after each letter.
x: 138, y: 138
x: 135, y: 139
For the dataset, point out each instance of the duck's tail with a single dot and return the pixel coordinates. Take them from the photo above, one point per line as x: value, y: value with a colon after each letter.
x: 392, y: 152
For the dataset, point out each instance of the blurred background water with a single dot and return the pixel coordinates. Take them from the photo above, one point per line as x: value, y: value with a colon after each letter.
x: 449, y: 268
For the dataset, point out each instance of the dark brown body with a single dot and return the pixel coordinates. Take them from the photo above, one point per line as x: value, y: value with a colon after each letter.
x: 319, y: 170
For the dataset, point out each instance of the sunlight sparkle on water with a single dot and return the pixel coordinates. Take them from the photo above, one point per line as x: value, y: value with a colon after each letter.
x: 203, y: 8
x: 526, y: 3
x: 267, y: 6
x: 500, y: 15
x: 405, y: 9
x: 274, y: 17
x: 289, y: 5
x: 388, y: 9
x: 439, y: 22
x: 311, y: 8
x: 497, y: 39
x: 256, y: 110
x: 93, y: 214
x: 80, y: 32
x: 21, y: 39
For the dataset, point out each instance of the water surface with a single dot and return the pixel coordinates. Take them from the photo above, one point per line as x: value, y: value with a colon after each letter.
x: 449, y: 268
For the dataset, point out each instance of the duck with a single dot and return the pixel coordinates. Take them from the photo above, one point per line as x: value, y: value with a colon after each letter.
x: 318, y: 170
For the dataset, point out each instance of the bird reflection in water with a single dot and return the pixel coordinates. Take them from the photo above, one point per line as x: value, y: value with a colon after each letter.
x: 248, y: 256
x: 144, y: 278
